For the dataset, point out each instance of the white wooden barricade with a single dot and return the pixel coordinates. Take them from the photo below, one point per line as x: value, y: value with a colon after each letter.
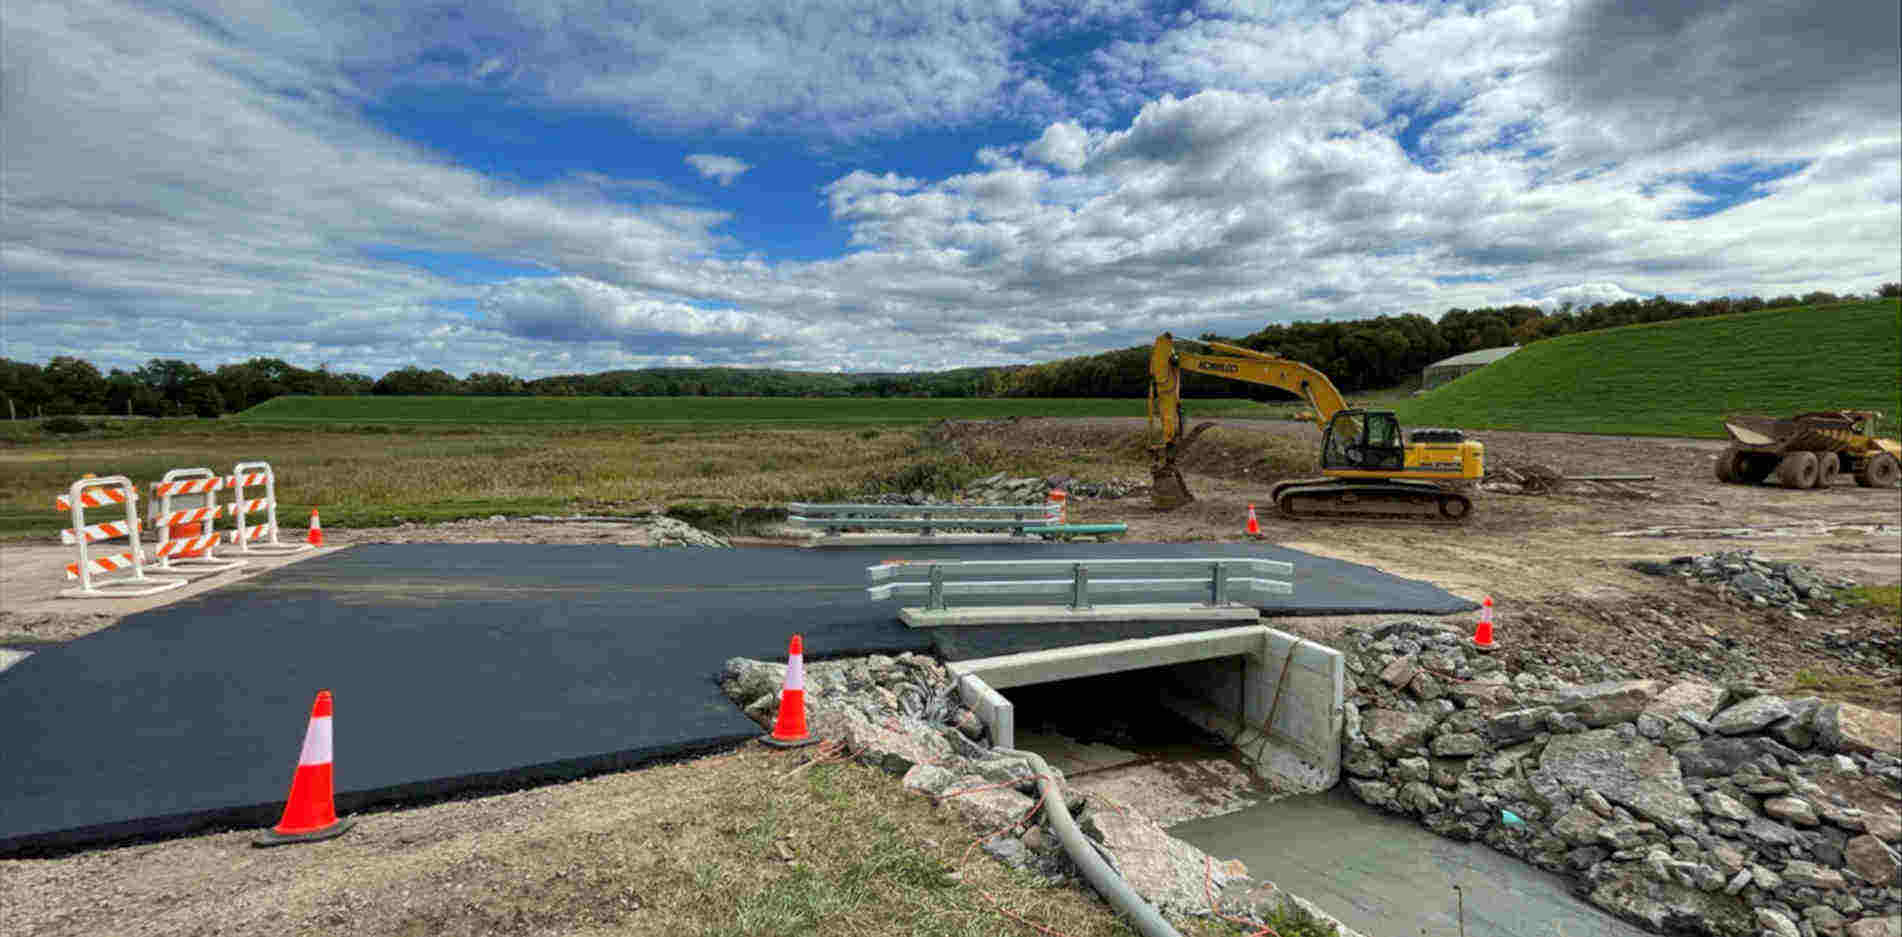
x: 185, y: 512
x: 257, y: 539
x: 95, y: 493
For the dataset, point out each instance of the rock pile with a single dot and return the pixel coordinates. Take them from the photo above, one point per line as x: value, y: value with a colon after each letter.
x: 1003, y: 489
x: 1739, y: 576
x: 1688, y: 807
x: 662, y: 531
x: 902, y: 714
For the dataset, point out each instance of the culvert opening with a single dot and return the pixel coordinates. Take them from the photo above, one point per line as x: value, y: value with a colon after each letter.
x: 1126, y: 737
x: 1085, y: 725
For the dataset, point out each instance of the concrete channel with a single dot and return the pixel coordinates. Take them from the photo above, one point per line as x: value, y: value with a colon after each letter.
x: 1294, y: 824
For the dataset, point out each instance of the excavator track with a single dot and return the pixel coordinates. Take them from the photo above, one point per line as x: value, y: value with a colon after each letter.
x: 1330, y: 498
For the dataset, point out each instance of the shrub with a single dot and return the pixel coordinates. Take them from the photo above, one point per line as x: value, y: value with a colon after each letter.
x: 64, y: 425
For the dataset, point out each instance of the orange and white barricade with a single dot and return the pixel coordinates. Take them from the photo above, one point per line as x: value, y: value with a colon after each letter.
x: 185, y: 512
x: 257, y: 539
x: 98, y: 493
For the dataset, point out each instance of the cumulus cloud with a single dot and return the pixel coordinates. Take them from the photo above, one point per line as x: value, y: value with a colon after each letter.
x: 213, y: 191
x: 723, y: 169
x: 1064, y: 144
x: 1766, y: 75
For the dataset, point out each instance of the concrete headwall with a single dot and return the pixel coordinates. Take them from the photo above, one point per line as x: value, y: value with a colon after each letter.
x: 1293, y: 682
x: 1277, y: 698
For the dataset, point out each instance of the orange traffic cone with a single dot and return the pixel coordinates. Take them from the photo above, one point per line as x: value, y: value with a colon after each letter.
x: 1254, y: 525
x: 789, y: 730
x: 310, y: 814
x: 1483, y: 635
x: 316, y: 535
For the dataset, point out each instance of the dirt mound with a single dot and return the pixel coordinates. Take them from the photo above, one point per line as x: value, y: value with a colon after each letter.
x: 1223, y: 451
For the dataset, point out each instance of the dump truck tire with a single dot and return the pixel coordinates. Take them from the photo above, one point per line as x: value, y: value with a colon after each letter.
x: 1828, y: 466
x: 1878, y: 471
x: 1730, y: 464
x: 1756, y: 467
x: 1797, y: 470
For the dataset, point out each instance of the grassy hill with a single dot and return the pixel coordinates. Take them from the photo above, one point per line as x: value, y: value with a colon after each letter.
x: 701, y: 410
x: 1678, y: 378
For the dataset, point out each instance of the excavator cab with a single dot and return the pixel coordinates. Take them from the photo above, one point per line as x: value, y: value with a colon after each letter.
x: 1364, y: 440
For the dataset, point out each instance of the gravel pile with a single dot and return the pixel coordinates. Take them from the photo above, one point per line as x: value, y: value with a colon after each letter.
x: 1739, y: 576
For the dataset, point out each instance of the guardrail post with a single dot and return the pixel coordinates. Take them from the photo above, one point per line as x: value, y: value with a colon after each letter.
x: 935, y: 600
x: 1218, y: 584
x: 1017, y: 531
x: 927, y: 527
x: 1080, y: 587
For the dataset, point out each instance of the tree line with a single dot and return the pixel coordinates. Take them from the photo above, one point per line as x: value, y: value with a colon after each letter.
x: 1358, y: 354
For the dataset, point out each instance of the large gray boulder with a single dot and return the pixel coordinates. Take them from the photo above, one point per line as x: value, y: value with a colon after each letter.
x: 1167, y: 871
x: 1872, y: 861
x: 1629, y: 771
x: 1613, y: 701
x: 1396, y: 733
x: 1517, y: 725
x: 1696, y: 697
x: 1716, y: 757
x: 898, y: 746
x: 1751, y: 715
x: 1670, y: 907
x: 984, y: 805
x: 1846, y: 727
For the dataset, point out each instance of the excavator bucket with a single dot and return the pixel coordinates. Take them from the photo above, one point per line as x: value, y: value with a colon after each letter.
x: 1167, y: 489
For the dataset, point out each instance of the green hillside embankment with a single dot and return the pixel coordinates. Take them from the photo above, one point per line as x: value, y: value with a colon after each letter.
x: 1678, y: 378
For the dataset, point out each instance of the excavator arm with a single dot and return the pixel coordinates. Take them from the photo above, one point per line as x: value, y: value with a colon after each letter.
x: 1166, y: 365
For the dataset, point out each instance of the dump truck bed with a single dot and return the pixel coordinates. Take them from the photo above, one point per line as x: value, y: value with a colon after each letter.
x: 1812, y: 432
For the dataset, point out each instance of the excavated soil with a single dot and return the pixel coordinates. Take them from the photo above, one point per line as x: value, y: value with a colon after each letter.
x: 1560, y: 578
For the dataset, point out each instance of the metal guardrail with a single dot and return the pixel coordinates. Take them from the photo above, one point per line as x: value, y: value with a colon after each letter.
x: 1213, y: 581
x: 924, y: 518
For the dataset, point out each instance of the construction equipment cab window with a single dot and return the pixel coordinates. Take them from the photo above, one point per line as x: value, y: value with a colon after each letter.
x: 1359, y: 439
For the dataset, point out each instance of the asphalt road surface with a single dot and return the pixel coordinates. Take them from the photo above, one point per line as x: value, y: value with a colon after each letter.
x: 463, y: 667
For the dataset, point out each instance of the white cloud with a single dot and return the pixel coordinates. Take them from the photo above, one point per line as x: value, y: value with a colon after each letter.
x: 1064, y: 144
x: 218, y: 195
x: 724, y: 169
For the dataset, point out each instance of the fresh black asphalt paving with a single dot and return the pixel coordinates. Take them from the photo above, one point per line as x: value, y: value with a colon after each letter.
x: 464, y: 667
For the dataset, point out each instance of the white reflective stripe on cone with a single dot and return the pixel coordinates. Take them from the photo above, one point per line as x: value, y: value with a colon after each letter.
x: 316, y: 743
x: 796, y: 672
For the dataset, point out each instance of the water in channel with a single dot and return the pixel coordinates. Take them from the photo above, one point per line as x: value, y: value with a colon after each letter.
x: 1382, y: 875
x: 1386, y: 876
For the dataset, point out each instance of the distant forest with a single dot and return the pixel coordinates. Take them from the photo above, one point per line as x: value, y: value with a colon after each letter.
x: 1358, y: 354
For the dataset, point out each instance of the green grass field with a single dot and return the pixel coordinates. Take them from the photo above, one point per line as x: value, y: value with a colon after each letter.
x: 1678, y: 378
x: 649, y: 411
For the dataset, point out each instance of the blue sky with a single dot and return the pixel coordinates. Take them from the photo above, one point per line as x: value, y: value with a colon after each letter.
x: 553, y: 186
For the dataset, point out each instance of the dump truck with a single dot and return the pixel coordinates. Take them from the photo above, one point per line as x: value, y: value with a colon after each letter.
x: 1809, y: 450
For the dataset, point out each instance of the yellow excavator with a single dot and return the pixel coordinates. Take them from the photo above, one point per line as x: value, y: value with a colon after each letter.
x: 1369, y: 470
